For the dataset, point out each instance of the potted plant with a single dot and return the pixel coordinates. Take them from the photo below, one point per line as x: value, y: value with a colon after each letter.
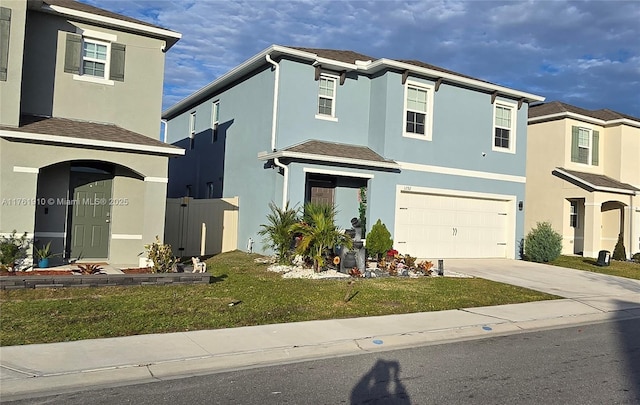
x: 44, y: 254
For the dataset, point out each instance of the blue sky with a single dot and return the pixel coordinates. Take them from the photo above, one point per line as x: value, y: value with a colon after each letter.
x: 582, y: 53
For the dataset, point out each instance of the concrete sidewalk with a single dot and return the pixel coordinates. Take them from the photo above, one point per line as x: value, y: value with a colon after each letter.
x: 59, y: 367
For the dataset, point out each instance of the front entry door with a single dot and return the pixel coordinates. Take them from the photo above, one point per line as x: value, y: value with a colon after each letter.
x: 90, y: 214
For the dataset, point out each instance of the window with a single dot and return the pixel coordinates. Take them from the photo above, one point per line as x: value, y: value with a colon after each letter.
x: 189, y: 190
x: 215, y: 116
x: 504, y: 124
x: 573, y: 214
x: 192, y: 129
x: 326, y: 97
x: 210, y: 190
x: 417, y: 115
x: 94, y: 56
x: 584, y: 146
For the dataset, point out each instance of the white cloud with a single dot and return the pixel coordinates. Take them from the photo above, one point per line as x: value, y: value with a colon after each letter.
x: 551, y: 48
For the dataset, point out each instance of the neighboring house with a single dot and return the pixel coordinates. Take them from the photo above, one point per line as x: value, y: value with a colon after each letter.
x: 440, y: 155
x: 583, y: 176
x: 80, y: 103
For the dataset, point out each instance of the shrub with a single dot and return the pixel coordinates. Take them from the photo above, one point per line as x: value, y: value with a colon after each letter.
x: 636, y: 257
x: 379, y: 239
x: 161, y: 256
x: 277, y: 233
x: 619, y: 252
x: 13, y: 249
x: 543, y: 243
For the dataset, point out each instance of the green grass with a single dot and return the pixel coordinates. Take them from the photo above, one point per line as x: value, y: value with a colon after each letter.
x: 615, y: 268
x: 55, y: 315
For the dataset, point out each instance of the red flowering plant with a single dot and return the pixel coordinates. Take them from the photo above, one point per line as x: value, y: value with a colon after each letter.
x: 392, y: 253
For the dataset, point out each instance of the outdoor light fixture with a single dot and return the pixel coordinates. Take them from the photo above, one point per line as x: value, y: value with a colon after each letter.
x: 520, y: 205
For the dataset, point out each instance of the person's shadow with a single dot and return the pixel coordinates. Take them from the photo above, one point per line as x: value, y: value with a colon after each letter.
x: 381, y: 385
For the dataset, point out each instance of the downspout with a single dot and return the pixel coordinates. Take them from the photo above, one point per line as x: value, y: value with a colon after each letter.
x: 276, y: 161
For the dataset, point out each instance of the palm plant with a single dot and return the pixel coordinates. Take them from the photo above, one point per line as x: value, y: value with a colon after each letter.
x: 319, y: 233
x: 277, y: 233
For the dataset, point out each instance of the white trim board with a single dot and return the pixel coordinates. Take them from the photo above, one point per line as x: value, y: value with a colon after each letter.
x: 91, y: 142
x: 23, y: 169
x: 125, y: 236
x: 337, y: 173
x: 461, y: 172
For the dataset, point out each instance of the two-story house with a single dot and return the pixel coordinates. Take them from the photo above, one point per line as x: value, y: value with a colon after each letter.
x: 441, y: 155
x: 583, y: 176
x: 81, y: 165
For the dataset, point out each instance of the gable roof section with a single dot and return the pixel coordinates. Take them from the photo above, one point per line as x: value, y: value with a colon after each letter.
x: 84, y: 133
x: 559, y: 110
x: 342, y: 60
x: 76, y: 10
x: 595, y: 182
x: 331, y: 152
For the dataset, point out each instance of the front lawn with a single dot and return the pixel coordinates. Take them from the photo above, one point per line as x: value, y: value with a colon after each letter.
x: 259, y: 297
x: 616, y: 268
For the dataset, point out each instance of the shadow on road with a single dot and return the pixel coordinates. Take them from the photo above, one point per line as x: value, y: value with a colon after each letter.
x: 628, y: 333
x: 381, y: 385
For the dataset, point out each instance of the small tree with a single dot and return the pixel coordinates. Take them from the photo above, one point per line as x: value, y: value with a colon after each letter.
x: 319, y: 233
x: 543, y: 243
x: 13, y: 249
x: 379, y: 239
x: 277, y: 233
x: 619, y: 252
x: 161, y: 256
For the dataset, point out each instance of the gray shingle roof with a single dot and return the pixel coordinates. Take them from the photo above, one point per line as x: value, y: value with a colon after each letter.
x: 83, y: 129
x: 556, y: 107
x: 76, y: 5
x: 599, y: 180
x: 315, y: 147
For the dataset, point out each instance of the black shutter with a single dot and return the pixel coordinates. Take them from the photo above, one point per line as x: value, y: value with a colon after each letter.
x: 116, y: 70
x: 5, y: 29
x: 72, y: 54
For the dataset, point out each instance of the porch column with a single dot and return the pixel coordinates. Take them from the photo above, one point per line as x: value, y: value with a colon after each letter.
x: 634, y: 226
x: 155, y: 199
x: 592, y: 228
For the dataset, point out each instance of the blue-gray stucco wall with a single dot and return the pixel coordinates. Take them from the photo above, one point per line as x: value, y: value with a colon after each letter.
x: 369, y: 112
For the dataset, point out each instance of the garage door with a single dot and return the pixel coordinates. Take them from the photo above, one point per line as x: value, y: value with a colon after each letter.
x: 440, y: 226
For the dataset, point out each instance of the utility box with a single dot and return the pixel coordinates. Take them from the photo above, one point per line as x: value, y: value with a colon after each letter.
x: 604, y: 258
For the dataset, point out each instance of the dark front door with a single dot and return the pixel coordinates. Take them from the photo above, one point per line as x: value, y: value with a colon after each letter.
x: 90, y: 213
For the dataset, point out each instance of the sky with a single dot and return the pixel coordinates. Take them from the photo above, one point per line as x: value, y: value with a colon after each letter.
x: 582, y: 53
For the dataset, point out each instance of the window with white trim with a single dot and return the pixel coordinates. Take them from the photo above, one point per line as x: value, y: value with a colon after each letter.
x: 326, y: 96
x: 215, y: 118
x: 573, y: 214
x: 418, y: 103
x: 504, y: 127
x: 94, y: 58
x: 584, y: 145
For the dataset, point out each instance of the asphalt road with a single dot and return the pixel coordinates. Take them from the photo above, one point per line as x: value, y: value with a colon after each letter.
x: 588, y: 364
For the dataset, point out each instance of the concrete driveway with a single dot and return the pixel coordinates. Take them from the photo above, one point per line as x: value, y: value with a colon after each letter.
x: 598, y: 290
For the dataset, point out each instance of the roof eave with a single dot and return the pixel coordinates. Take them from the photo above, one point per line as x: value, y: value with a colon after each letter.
x: 325, y: 158
x: 170, y: 37
x: 30, y: 136
x: 584, y: 118
x: 595, y: 187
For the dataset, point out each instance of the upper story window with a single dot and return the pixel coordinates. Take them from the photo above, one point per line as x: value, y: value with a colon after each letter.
x: 327, y: 97
x: 215, y: 119
x: 418, y: 110
x: 192, y: 129
x: 584, y: 146
x: 504, y: 127
x: 94, y: 56
x: 5, y: 30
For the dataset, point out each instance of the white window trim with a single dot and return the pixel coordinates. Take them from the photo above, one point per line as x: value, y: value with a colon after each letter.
x: 590, y: 147
x: 326, y: 117
x: 192, y: 124
x: 215, y: 107
x: 428, y: 125
x: 100, y: 37
x: 514, y: 125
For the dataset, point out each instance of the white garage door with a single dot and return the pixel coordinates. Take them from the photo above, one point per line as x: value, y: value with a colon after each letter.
x: 437, y: 226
